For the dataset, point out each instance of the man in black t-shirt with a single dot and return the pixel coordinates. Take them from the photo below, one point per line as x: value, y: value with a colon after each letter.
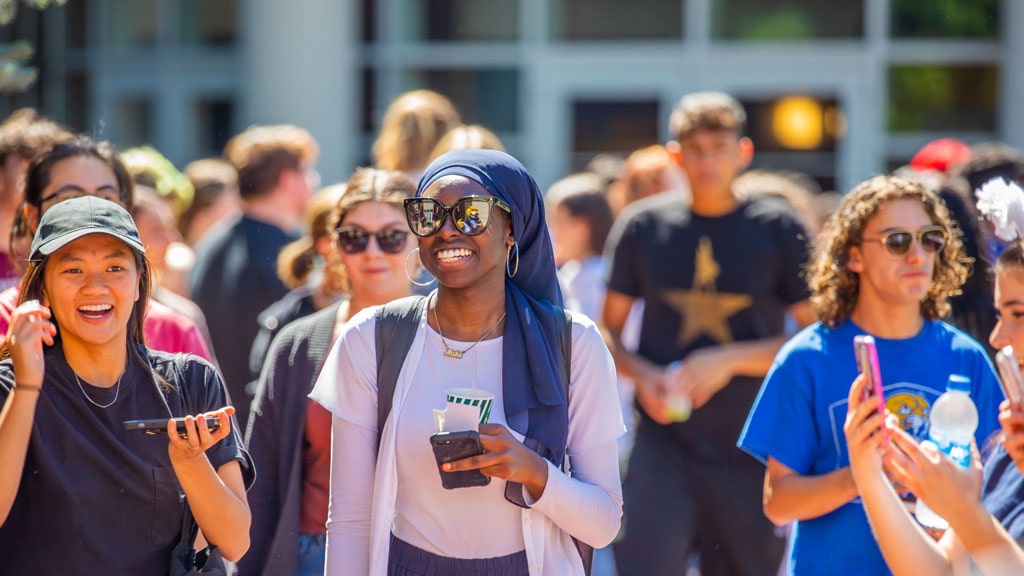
x: 235, y: 276
x: 718, y: 276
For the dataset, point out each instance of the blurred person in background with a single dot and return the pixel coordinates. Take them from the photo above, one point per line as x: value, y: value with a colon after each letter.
x: 289, y: 434
x: 151, y: 168
x: 307, y: 268
x: 468, y: 137
x: 412, y: 126
x: 990, y: 160
x: 797, y: 190
x: 579, y: 218
x: 235, y: 276
x: 718, y: 275
x: 156, y: 227
x: 215, y: 202
x: 646, y: 172
x: 23, y: 135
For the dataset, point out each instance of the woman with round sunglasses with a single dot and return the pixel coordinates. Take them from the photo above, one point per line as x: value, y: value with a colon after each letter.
x: 289, y: 434
x: 81, y: 491
x: 885, y: 265
x: 984, y: 506
x: 493, y: 324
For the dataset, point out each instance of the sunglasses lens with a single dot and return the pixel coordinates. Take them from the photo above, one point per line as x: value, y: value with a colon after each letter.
x: 898, y: 243
x: 424, y: 216
x: 472, y: 215
x: 933, y: 240
x: 353, y: 240
x: 391, y: 241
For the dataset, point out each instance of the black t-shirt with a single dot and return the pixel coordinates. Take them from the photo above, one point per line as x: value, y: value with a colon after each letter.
x: 235, y: 278
x: 708, y: 281
x: 95, y: 498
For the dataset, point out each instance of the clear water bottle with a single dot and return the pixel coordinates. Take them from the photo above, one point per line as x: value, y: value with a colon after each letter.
x: 954, y: 418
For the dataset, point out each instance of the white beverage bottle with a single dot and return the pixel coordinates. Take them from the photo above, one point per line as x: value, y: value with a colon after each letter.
x: 954, y: 418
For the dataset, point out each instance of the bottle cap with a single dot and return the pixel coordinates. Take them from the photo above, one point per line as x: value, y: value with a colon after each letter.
x: 959, y: 383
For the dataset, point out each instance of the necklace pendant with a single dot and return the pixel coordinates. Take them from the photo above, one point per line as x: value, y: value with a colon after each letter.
x: 452, y: 353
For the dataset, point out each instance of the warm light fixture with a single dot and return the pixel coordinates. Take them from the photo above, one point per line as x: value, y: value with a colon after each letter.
x: 797, y: 122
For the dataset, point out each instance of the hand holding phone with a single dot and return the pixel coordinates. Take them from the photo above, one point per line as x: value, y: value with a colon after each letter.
x: 157, y: 426
x: 867, y: 361
x: 1009, y: 375
x: 452, y: 446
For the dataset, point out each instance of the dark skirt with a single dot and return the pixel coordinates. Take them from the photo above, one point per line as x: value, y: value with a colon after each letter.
x: 404, y: 559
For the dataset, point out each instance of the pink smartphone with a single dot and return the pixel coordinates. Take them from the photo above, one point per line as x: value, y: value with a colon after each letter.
x: 867, y: 360
x: 1009, y: 374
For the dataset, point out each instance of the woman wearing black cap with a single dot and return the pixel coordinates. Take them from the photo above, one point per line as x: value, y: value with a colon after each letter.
x: 79, y: 492
x: 492, y: 324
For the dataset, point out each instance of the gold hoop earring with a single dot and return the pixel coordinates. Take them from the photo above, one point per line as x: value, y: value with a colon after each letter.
x: 409, y: 276
x: 508, y: 259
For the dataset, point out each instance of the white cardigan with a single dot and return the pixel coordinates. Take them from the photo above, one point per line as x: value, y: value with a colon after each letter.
x: 587, y: 505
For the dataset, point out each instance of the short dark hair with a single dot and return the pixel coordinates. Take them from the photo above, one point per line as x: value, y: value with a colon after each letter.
x: 583, y: 195
x: 262, y: 153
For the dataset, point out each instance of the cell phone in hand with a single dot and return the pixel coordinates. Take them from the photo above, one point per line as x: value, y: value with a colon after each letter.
x: 1009, y: 375
x: 867, y: 361
x: 156, y: 426
x: 452, y: 446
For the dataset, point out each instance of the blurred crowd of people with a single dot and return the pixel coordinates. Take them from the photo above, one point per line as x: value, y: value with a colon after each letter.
x: 727, y: 297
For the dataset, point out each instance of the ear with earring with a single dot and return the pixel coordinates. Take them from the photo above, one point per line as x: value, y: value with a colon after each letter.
x: 417, y: 269
x: 509, y: 268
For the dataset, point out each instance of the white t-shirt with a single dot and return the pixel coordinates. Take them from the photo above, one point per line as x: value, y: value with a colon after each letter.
x: 401, y: 490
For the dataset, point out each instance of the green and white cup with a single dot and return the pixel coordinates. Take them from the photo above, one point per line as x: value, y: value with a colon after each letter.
x: 470, y: 397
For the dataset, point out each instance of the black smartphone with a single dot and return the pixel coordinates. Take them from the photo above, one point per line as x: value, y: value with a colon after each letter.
x: 156, y: 426
x: 452, y: 446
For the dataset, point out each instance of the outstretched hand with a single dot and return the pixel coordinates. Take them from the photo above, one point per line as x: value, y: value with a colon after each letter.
x: 199, y: 436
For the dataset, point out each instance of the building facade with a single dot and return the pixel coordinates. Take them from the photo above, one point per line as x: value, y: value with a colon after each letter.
x: 841, y: 89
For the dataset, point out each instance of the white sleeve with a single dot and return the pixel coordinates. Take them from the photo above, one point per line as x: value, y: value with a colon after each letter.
x: 347, y: 384
x: 353, y: 455
x: 588, y: 505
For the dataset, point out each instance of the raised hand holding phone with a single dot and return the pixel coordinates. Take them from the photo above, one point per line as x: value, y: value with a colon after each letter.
x: 867, y: 361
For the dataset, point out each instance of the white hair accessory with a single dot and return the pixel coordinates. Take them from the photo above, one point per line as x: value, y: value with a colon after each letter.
x: 1002, y: 203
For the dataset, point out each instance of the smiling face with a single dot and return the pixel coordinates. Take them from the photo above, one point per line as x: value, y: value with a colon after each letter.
x: 1009, y: 300
x: 73, y: 177
x: 458, y: 260
x: 373, y: 273
x: 886, y: 279
x: 91, y: 285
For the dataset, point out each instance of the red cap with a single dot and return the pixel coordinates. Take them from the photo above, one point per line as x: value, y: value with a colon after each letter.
x: 940, y: 155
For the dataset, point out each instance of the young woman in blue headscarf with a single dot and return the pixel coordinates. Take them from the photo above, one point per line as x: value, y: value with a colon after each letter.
x: 493, y: 323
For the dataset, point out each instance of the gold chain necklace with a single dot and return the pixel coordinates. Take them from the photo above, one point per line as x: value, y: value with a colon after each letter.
x: 117, y: 391
x: 452, y: 352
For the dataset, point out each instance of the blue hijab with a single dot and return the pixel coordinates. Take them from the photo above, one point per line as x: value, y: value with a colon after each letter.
x: 534, y: 397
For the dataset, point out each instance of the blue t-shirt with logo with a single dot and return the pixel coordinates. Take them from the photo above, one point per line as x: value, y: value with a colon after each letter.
x: 800, y: 410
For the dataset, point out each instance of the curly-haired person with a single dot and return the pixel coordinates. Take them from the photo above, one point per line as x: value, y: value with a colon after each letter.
x: 886, y: 264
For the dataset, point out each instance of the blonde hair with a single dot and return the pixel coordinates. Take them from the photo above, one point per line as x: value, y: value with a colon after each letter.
x: 413, y: 124
x: 471, y: 137
x: 835, y: 288
x: 262, y: 153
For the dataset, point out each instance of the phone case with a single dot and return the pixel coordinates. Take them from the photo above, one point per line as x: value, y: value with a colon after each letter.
x: 451, y: 446
x: 1009, y: 374
x: 867, y: 362
x: 158, y: 426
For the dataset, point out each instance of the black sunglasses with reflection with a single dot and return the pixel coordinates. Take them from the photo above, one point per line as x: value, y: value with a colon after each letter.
x: 470, y: 215
x: 353, y: 239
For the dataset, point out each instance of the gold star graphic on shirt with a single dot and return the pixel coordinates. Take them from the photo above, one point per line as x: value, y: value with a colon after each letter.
x: 704, y: 310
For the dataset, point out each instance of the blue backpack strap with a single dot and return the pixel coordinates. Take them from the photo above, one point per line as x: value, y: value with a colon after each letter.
x: 397, y: 322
